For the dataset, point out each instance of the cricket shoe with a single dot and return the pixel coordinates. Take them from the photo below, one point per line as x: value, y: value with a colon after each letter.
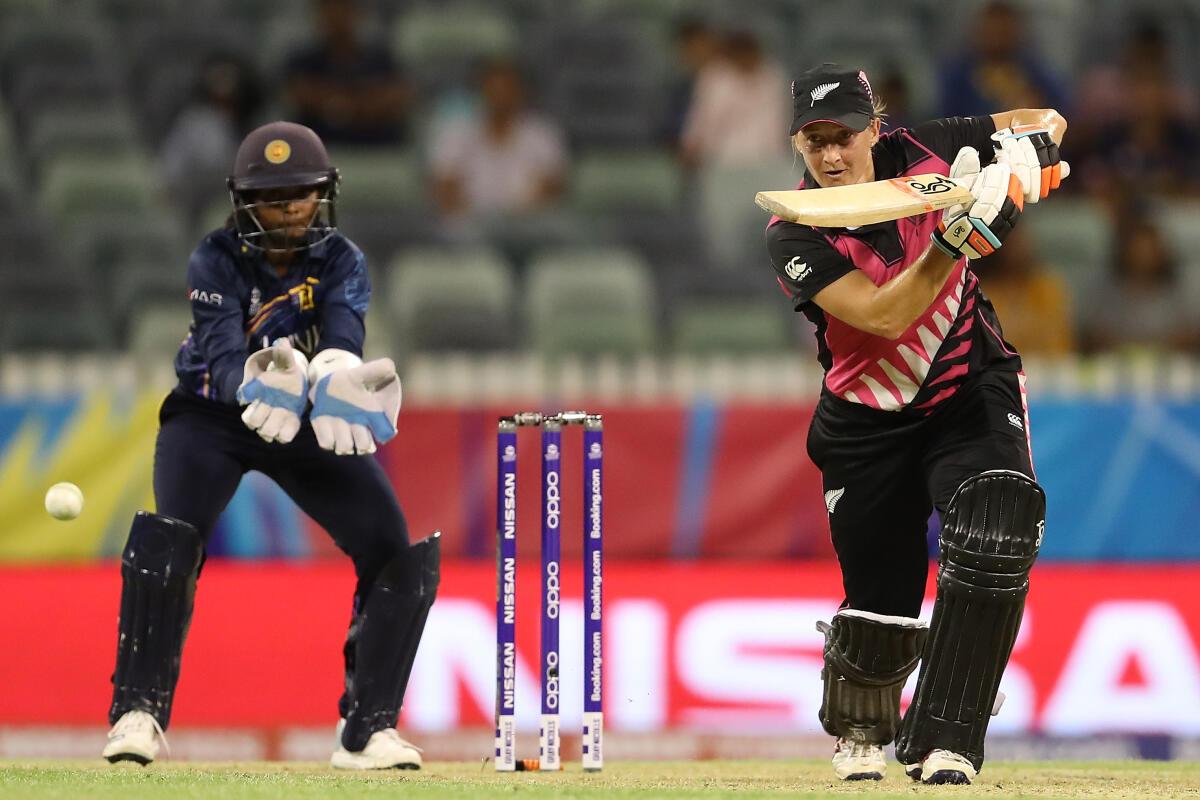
x: 385, y: 750
x: 942, y: 766
x: 858, y: 761
x: 135, y: 737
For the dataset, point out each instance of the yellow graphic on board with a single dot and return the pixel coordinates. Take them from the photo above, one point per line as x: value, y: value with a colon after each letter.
x: 107, y: 449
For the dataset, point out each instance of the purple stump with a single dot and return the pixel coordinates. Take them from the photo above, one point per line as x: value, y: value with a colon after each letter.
x: 593, y: 576
x: 551, y: 590
x: 506, y: 597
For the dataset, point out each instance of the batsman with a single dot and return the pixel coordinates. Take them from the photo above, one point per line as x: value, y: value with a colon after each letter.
x: 922, y: 407
x: 271, y: 378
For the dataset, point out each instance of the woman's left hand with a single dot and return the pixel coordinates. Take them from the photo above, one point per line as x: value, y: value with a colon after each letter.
x: 355, y: 407
x: 1033, y: 156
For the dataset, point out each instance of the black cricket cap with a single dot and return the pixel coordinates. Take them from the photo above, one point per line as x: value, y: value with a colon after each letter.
x: 281, y: 154
x: 832, y: 93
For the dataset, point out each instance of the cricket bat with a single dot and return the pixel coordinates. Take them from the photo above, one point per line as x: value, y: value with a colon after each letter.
x: 865, y: 203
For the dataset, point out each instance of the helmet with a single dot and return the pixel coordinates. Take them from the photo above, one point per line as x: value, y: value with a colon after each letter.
x: 272, y: 159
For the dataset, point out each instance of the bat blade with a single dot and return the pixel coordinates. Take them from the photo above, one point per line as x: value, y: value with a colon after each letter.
x: 865, y: 203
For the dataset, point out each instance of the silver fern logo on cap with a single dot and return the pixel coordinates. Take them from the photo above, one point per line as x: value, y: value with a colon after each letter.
x: 819, y: 92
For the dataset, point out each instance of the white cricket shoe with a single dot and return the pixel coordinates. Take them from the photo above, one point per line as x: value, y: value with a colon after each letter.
x: 134, y: 738
x: 858, y: 761
x: 942, y: 766
x: 385, y: 750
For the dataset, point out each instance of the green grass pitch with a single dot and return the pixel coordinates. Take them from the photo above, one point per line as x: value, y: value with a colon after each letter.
x: 794, y: 780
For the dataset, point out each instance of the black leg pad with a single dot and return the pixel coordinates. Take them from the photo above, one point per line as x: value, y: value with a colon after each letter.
x: 386, y: 634
x: 990, y: 539
x: 159, y: 567
x: 867, y: 659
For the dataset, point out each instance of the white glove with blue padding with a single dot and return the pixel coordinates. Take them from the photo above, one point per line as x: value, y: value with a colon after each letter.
x: 275, y: 384
x: 354, y: 405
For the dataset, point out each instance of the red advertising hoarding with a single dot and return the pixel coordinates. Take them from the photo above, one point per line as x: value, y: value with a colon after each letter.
x: 701, y: 646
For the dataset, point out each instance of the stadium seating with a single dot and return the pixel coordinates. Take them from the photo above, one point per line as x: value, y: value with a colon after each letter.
x: 733, y: 225
x: 49, y: 307
x: 589, y: 302
x: 144, y: 284
x: 77, y: 186
x: 50, y: 41
x: 40, y: 87
x: 382, y: 204
x: 639, y: 180
x: 101, y: 133
x: 451, y: 299
x: 156, y: 332
x: 1179, y: 223
x: 282, y: 36
x: 634, y: 198
x: 746, y: 326
x: 1073, y: 236
x: 373, y: 181
x: 103, y: 244
x: 88, y: 88
x: 454, y: 33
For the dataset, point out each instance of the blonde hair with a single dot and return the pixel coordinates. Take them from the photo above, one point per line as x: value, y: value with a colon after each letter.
x: 878, y: 106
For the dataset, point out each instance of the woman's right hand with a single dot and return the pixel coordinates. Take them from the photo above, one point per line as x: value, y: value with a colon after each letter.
x: 275, y: 385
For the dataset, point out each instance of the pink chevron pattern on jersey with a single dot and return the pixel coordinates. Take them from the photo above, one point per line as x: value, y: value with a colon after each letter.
x: 929, y: 362
x: 932, y: 360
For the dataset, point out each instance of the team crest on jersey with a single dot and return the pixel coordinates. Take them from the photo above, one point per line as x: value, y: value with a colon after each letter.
x: 277, y: 151
x: 304, y: 294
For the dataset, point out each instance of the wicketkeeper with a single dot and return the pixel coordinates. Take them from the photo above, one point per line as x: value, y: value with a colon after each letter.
x: 271, y: 378
x: 922, y: 407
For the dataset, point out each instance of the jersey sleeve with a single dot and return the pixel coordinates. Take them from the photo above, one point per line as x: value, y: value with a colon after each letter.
x: 945, y: 137
x: 214, y: 289
x: 804, y: 261
x: 343, y: 311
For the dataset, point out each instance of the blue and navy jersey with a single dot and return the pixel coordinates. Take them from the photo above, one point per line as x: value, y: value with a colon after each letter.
x: 240, y: 305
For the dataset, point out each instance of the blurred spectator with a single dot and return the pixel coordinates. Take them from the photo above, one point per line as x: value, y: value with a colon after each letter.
x: 348, y: 91
x: 1143, y: 132
x: 502, y: 160
x: 893, y: 90
x: 1029, y: 297
x: 695, y: 47
x: 1101, y: 100
x: 1141, y: 302
x: 739, y: 109
x: 198, y: 150
x: 998, y: 71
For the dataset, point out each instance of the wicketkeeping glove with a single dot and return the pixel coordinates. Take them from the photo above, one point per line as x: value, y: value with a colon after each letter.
x: 275, y: 384
x: 354, y: 404
x: 979, y: 229
x: 1033, y: 156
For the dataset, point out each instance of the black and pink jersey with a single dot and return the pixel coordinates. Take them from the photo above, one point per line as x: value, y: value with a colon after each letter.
x: 954, y: 338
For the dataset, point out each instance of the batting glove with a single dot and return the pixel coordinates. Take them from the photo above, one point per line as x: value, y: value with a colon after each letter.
x: 980, y: 228
x: 1033, y: 156
x: 354, y: 404
x: 275, y: 384
x: 964, y: 170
